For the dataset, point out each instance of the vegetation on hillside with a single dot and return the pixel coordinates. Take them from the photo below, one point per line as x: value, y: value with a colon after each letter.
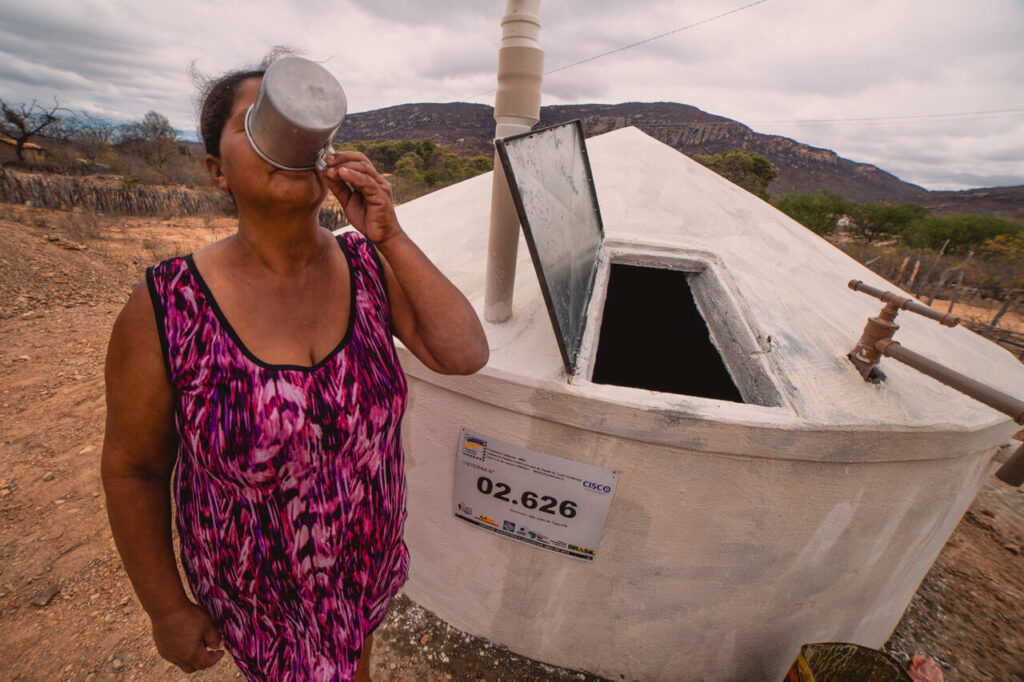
x: 904, y: 242
x: 419, y: 166
x: 819, y: 212
x: 750, y: 171
x: 151, y: 151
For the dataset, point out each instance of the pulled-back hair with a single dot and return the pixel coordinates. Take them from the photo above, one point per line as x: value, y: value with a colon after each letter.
x: 217, y: 97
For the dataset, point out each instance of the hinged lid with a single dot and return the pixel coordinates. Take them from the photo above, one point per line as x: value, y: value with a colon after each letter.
x: 551, y: 183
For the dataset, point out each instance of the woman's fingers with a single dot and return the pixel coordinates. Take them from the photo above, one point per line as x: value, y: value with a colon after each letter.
x: 356, y: 160
x: 359, y: 179
x: 211, y: 637
x: 205, y: 658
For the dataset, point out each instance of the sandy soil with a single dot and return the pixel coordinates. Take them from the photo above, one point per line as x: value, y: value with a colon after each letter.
x: 67, y: 611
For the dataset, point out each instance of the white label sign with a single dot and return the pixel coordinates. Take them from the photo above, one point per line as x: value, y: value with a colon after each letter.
x: 547, y: 501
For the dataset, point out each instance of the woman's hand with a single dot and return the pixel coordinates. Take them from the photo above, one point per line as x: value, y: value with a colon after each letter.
x: 187, y: 638
x: 366, y: 199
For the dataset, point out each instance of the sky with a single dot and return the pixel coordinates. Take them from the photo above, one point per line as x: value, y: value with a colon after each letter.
x: 939, y: 82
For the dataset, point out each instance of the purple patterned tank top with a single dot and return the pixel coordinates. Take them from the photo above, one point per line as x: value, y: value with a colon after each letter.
x: 290, y: 486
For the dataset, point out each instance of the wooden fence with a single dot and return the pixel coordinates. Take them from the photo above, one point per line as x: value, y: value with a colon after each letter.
x: 65, y: 192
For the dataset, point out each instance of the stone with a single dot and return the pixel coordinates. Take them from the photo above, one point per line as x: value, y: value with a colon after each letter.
x: 48, y: 476
x: 43, y: 598
x: 116, y: 664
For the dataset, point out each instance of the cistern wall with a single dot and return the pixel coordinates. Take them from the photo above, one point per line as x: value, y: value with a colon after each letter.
x: 711, y: 566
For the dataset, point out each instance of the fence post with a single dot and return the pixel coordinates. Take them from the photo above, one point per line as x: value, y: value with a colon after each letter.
x: 903, y: 268
x: 1010, y: 300
x: 956, y: 292
x: 913, y: 274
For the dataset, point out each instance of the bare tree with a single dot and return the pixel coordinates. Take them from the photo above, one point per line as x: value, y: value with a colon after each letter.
x: 95, y: 135
x: 22, y: 121
x: 153, y: 139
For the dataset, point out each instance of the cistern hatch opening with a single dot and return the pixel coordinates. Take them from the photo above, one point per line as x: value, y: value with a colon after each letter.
x: 654, y: 337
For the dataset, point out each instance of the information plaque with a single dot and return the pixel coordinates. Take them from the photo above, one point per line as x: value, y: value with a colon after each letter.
x: 547, y: 501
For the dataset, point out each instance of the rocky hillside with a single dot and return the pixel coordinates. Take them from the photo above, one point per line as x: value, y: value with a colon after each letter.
x: 1002, y: 202
x: 468, y: 128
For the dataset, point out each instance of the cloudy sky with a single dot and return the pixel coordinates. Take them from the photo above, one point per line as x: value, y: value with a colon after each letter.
x: 931, y: 90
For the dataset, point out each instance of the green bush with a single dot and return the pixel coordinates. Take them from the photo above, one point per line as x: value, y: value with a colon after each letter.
x: 871, y: 219
x: 750, y: 171
x: 964, y: 231
x: 421, y: 161
x: 818, y: 212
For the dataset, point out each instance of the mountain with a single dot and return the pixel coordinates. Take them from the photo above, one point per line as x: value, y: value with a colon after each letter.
x: 1002, y: 202
x: 468, y: 128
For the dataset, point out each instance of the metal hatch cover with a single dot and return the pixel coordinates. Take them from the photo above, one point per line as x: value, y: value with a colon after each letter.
x: 549, y: 175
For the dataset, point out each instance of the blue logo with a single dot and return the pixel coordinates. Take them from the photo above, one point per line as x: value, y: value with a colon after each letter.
x: 509, y: 526
x: 475, y: 448
x: 597, y: 487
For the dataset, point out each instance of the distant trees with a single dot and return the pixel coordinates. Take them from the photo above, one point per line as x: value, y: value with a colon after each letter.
x: 964, y: 232
x: 871, y: 219
x: 21, y: 122
x: 420, y: 162
x: 749, y: 170
x: 153, y: 139
x: 92, y: 134
x: 911, y: 224
x: 819, y: 212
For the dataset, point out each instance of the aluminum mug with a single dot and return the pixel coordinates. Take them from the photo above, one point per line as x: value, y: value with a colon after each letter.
x: 297, y: 112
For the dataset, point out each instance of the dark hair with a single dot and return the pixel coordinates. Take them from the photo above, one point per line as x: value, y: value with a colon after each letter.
x: 217, y: 105
x: 217, y: 96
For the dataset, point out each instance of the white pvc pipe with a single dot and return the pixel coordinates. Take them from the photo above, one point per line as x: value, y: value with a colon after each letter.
x: 516, y: 110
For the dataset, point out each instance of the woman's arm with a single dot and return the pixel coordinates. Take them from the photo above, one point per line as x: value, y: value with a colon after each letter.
x: 139, y: 451
x: 430, y: 315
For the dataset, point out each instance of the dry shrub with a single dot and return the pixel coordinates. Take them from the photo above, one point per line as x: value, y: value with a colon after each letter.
x: 332, y: 218
x: 158, y: 249
x: 81, y: 226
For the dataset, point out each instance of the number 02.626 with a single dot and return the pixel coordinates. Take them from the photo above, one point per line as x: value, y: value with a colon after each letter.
x: 528, y: 499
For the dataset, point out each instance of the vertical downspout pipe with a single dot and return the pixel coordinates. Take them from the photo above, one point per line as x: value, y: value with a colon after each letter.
x: 516, y: 110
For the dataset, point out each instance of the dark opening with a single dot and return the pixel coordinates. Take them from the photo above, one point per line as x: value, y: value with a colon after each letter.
x: 653, y: 337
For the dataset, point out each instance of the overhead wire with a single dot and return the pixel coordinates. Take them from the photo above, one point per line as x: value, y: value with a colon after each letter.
x: 992, y: 113
x: 653, y: 38
x: 637, y: 43
x: 912, y: 118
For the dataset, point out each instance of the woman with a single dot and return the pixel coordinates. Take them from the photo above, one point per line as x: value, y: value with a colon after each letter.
x: 290, y: 491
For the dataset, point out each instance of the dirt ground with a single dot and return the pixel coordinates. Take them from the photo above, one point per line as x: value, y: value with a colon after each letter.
x: 67, y: 611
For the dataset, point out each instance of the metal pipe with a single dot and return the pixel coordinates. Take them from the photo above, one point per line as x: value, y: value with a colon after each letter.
x: 984, y: 393
x: 516, y: 110
x: 905, y: 303
x: 1012, y: 471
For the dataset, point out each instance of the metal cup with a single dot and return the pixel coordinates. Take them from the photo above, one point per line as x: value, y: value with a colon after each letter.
x: 297, y: 112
